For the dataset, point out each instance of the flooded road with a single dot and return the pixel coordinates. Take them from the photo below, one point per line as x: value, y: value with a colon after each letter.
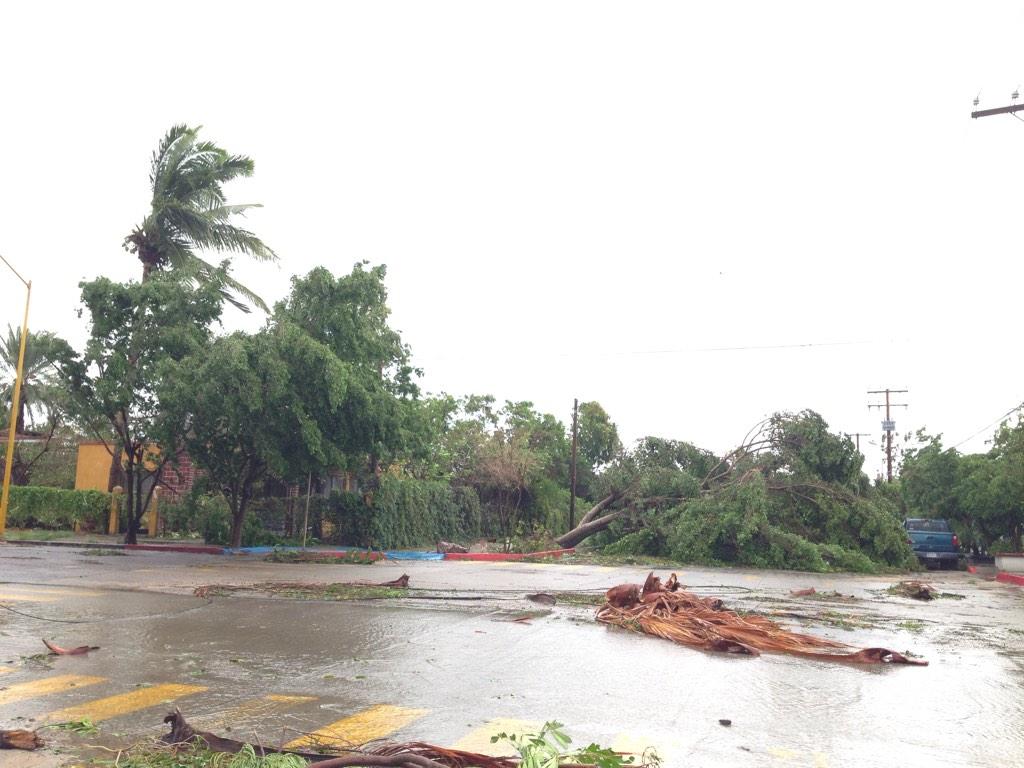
x: 453, y: 671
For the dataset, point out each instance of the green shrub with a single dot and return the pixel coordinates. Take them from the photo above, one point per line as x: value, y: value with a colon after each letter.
x: 404, y: 513
x: 57, y: 508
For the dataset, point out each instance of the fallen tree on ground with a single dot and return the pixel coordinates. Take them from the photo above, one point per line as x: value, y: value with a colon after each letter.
x: 791, y: 495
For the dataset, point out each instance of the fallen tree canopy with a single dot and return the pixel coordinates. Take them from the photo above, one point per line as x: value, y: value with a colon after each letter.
x: 669, y: 612
x: 792, y: 495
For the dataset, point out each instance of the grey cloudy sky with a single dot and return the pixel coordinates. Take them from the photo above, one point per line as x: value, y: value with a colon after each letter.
x: 583, y: 199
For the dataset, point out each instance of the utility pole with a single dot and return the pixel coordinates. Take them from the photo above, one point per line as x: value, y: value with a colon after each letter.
x: 857, y: 436
x: 888, y: 425
x: 999, y: 110
x: 572, y: 476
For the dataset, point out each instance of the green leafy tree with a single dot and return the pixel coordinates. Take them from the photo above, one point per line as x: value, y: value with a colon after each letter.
x: 256, y: 406
x: 349, y: 315
x: 135, y: 331
x: 189, y: 214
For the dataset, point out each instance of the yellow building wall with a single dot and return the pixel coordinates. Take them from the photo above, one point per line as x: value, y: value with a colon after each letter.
x: 92, y: 472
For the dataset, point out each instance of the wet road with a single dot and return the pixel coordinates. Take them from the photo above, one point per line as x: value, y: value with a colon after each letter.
x: 454, y: 671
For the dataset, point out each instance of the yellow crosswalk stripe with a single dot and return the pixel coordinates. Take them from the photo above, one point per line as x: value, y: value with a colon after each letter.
x: 5, y: 670
x: 252, y: 709
x: 45, y: 685
x: 61, y: 591
x: 479, y: 739
x: 124, y: 703
x: 373, y: 723
x: 10, y: 597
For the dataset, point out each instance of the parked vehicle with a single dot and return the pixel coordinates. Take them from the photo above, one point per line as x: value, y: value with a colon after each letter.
x: 934, y: 542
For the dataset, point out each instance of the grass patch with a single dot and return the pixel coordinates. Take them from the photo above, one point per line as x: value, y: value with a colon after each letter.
x: 580, y: 598
x: 911, y: 625
x: 297, y: 591
x: 347, y: 558
x: 37, y: 534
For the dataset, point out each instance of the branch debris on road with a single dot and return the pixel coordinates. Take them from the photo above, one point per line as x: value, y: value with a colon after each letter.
x: 669, y: 612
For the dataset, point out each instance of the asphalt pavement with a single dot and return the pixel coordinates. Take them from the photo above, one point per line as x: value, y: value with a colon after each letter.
x: 465, y: 655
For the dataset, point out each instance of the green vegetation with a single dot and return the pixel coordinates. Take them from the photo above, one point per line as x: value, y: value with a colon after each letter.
x: 982, y: 495
x: 197, y: 757
x: 325, y: 394
x: 549, y: 748
x: 792, y: 496
x: 56, y: 508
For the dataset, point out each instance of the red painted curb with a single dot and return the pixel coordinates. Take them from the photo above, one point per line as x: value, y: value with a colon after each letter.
x: 502, y: 557
x: 188, y: 549
x: 1010, y: 578
x: 971, y: 569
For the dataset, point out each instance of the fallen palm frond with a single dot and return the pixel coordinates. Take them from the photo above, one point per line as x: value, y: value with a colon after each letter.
x: 412, y: 754
x: 683, y: 617
x: 56, y: 650
x: 18, y: 739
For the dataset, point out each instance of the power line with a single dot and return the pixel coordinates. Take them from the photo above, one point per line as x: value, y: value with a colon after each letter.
x: 989, y: 426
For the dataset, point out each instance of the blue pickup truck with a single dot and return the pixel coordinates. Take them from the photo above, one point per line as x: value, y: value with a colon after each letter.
x: 933, y: 542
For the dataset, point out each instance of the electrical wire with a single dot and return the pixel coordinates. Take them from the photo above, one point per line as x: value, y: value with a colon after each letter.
x: 989, y: 426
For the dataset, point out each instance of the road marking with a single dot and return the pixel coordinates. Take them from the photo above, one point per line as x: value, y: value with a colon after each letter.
x: 59, y: 591
x: 9, y: 597
x: 373, y: 723
x: 5, y: 670
x: 479, y: 739
x: 44, y: 686
x: 124, y: 703
x: 252, y: 709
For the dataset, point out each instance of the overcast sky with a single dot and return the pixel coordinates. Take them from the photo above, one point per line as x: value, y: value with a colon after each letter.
x: 694, y: 213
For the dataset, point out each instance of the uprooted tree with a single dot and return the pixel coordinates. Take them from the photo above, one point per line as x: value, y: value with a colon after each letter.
x: 790, y: 495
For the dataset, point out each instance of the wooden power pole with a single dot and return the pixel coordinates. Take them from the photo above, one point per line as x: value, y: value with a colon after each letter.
x: 857, y: 436
x: 572, y: 475
x: 888, y: 425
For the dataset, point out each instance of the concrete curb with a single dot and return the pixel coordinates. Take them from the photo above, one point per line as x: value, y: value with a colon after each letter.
x: 207, y: 549
x: 1010, y: 578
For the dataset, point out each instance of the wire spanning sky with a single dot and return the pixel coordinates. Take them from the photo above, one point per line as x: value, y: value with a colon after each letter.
x: 694, y: 213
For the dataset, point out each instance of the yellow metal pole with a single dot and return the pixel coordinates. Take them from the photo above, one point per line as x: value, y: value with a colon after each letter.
x: 12, y: 428
x: 115, y: 511
x: 154, y: 512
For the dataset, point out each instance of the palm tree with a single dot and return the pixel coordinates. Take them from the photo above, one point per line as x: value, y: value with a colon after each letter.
x: 41, y: 351
x: 189, y: 214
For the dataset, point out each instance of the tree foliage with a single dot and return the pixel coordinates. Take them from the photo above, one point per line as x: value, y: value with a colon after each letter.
x: 135, y: 331
x: 789, y: 496
x: 189, y: 214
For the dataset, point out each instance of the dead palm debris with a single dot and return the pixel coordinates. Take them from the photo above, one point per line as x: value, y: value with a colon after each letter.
x: 56, y: 650
x: 803, y: 592
x: 16, y: 739
x: 446, y: 547
x: 917, y: 590
x: 704, y: 623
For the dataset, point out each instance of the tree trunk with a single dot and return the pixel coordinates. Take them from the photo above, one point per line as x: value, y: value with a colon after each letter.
x: 131, y: 536
x: 581, y: 532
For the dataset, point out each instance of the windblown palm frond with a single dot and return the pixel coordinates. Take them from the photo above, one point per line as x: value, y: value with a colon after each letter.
x: 189, y: 213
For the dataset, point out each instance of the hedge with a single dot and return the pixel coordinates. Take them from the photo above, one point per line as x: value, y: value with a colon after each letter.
x: 405, y: 513
x: 56, y: 508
